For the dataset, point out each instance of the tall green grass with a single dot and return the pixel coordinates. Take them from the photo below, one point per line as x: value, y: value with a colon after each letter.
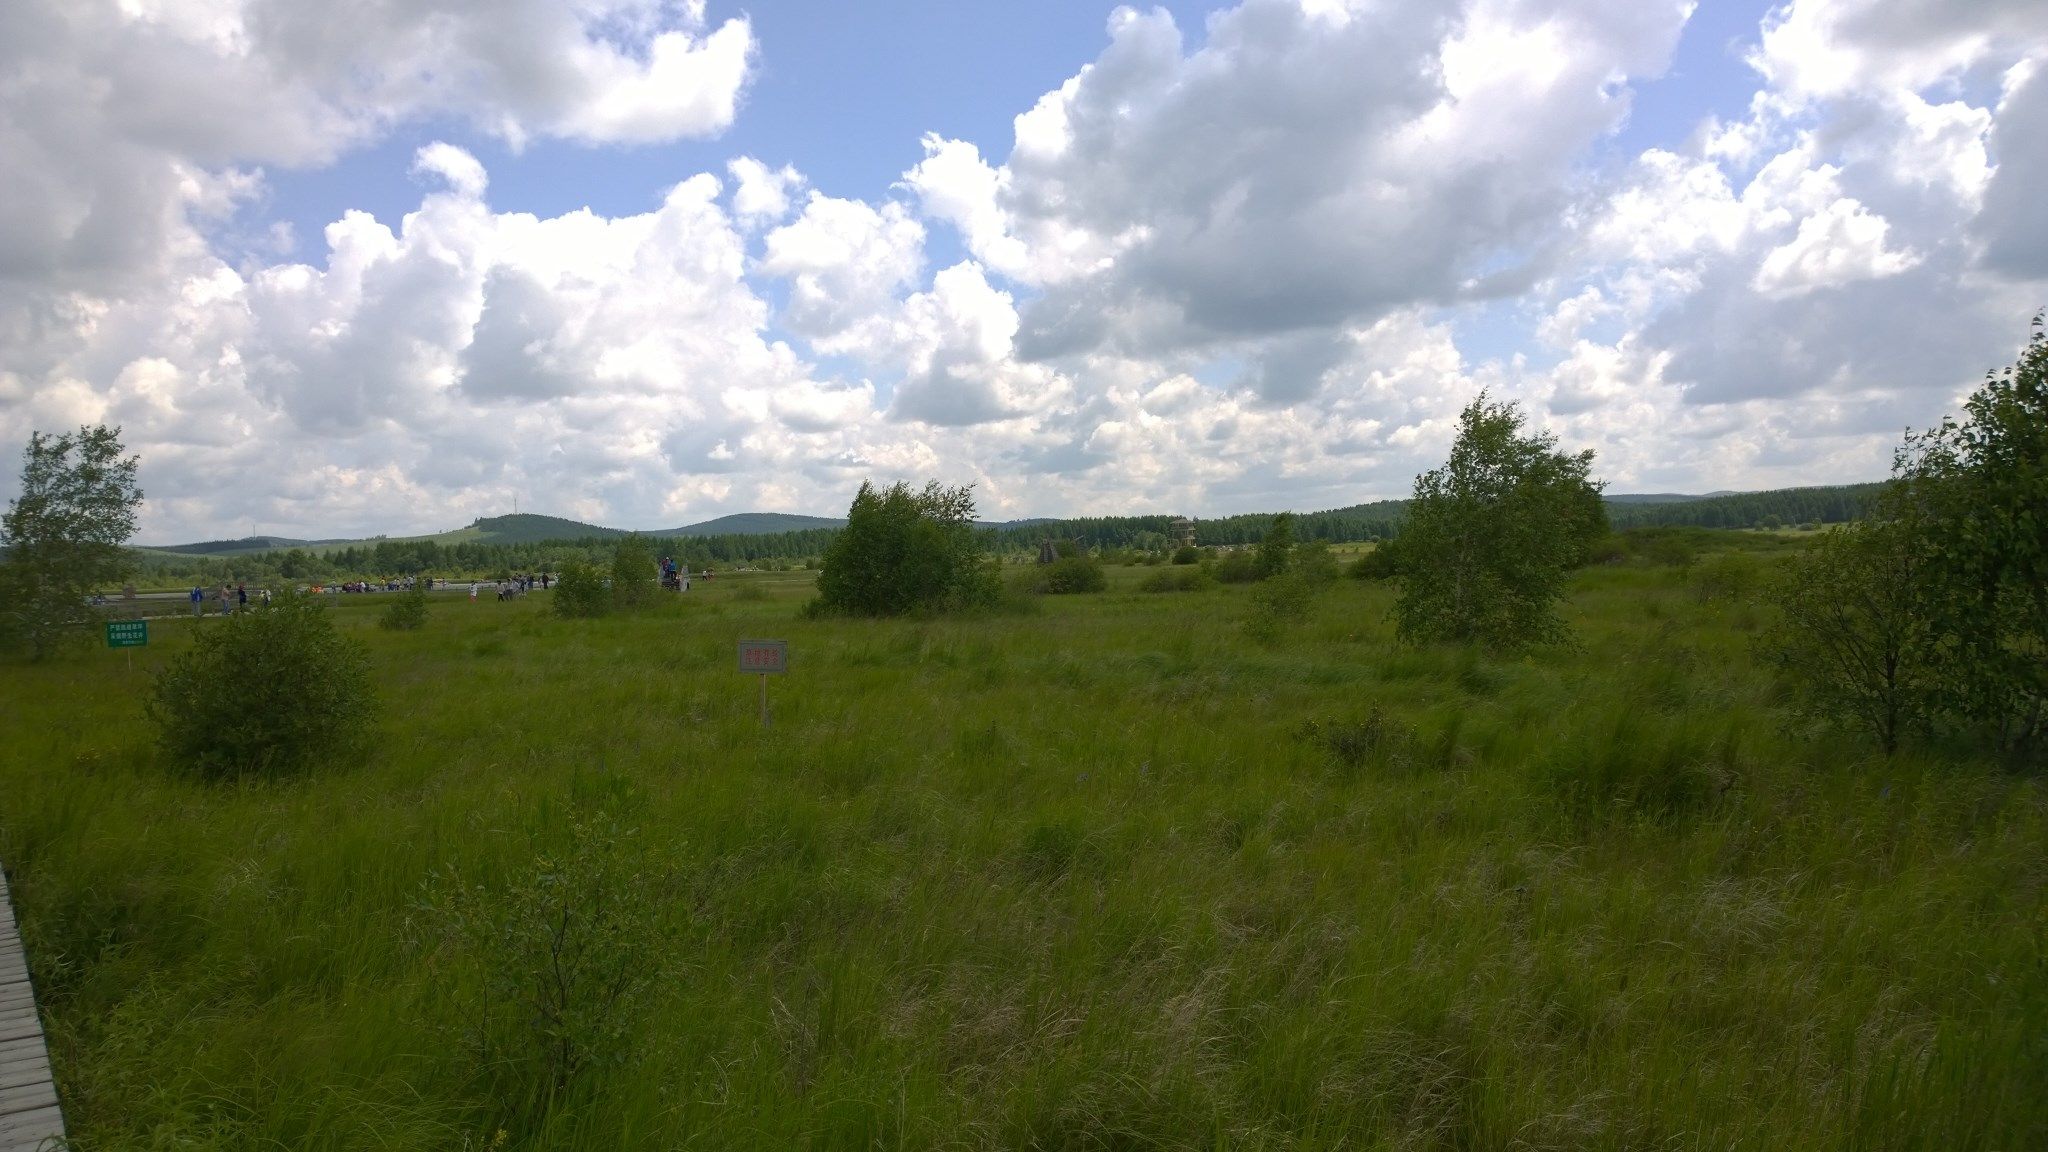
x: 1110, y: 875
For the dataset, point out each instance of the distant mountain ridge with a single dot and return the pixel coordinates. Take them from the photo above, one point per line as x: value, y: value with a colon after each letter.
x: 1720, y: 509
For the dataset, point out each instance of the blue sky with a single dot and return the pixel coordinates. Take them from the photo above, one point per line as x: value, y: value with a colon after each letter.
x: 644, y: 262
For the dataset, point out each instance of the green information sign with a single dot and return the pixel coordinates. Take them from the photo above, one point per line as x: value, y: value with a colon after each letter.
x: 127, y: 633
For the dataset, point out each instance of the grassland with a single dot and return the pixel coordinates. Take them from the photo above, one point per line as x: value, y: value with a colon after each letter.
x: 1109, y: 875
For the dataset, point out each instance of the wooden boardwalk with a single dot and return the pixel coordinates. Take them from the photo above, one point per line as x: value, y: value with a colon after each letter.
x: 29, y: 1118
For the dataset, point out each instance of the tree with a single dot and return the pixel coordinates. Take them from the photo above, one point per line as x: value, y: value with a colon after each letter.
x: 580, y: 592
x: 1492, y: 534
x: 633, y: 574
x: 63, y: 536
x: 1276, y: 548
x: 1975, y: 496
x: 903, y: 551
x: 1854, y: 631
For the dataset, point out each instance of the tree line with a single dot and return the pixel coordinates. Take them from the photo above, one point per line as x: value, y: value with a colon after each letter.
x: 1377, y: 521
x: 472, y: 558
x: 1778, y: 508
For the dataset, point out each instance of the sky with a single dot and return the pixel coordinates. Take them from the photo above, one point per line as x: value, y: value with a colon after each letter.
x: 349, y: 267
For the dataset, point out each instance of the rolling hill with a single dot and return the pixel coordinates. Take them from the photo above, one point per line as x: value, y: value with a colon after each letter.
x: 1716, y: 509
x: 752, y: 524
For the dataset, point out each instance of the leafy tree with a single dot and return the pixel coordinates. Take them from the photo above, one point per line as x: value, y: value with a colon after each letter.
x: 1492, y: 534
x: 1276, y: 549
x: 903, y: 551
x: 1854, y: 631
x: 63, y: 536
x: 580, y: 592
x: 1975, y: 495
x: 266, y: 690
x: 633, y: 572
x: 1187, y: 554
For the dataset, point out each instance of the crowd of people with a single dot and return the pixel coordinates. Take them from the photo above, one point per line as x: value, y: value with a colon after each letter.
x: 228, y: 598
x: 510, y: 588
x: 675, y: 576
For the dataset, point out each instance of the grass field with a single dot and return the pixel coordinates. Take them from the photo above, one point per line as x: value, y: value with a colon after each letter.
x: 1107, y: 876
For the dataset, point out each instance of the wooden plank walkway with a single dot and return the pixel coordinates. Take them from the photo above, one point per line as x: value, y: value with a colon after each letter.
x: 29, y: 1117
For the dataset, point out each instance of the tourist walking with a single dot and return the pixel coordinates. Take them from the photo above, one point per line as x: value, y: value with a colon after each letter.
x: 198, y: 601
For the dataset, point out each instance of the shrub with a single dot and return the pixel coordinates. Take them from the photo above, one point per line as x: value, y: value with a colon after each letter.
x: 1069, y: 574
x: 1177, y: 580
x: 1316, y: 563
x: 1276, y: 548
x: 1853, y: 630
x: 1381, y: 563
x: 407, y: 611
x: 1972, y: 495
x: 580, y: 592
x: 1664, y: 547
x: 633, y: 573
x: 266, y: 690
x: 903, y: 551
x: 1727, y: 576
x: 1379, y: 741
x: 1279, y: 602
x: 1187, y: 555
x: 1239, y: 567
x: 566, y: 947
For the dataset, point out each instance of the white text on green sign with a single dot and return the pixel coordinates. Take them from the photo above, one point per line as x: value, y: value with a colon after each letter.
x: 127, y: 633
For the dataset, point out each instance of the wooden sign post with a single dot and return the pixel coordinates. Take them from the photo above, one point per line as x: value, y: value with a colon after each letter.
x: 768, y: 658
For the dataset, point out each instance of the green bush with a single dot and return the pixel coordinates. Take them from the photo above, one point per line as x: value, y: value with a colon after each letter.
x: 903, y: 551
x: 1316, y: 563
x: 1187, y: 555
x: 566, y: 947
x: 1731, y: 576
x: 1177, y: 580
x: 265, y: 690
x: 1069, y: 574
x: 580, y: 592
x: 1278, y: 603
x: 1665, y: 547
x: 633, y: 573
x: 1853, y: 629
x: 407, y: 610
x: 1379, y: 741
x: 1276, y: 548
x: 1239, y: 567
x: 1383, y: 562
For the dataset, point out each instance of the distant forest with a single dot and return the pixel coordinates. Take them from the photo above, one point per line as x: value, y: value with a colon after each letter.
x: 1780, y: 508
